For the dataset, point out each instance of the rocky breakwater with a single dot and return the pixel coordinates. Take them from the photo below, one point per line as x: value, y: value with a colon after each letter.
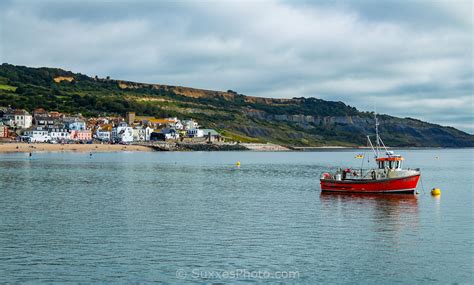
x: 176, y: 146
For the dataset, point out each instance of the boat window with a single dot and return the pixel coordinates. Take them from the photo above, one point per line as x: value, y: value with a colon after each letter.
x: 390, y: 165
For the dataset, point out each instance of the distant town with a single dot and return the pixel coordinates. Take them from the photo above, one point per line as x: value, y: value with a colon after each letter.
x: 42, y: 126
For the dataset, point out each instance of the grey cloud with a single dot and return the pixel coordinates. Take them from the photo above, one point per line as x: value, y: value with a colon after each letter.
x: 358, y: 52
x: 416, y: 13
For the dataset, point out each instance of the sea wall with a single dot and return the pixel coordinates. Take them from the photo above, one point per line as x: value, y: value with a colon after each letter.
x: 172, y: 146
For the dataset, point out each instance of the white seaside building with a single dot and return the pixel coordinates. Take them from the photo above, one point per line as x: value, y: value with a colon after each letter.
x: 23, y: 119
x: 190, y: 125
x: 38, y: 134
x: 18, y: 118
x: 141, y: 133
x: 195, y: 133
x: 59, y: 134
x: 170, y: 133
x: 122, y: 133
x: 75, y: 124
x: 103, y: 135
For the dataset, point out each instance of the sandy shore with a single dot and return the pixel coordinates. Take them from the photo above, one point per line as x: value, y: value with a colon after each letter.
x: 264, y: 147
x: 34, y: 147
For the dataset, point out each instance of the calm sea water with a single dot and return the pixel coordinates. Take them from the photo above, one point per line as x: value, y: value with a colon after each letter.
x: 194, y: 217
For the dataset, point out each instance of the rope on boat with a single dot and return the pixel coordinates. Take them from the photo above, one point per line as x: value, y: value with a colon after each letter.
x: 422, y: 186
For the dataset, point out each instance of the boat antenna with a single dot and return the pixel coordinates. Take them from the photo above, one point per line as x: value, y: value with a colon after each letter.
x: 377, y: 138
x: 379, y: 143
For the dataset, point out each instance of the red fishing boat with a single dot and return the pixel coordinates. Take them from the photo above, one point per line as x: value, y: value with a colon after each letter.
x: 387, y: 177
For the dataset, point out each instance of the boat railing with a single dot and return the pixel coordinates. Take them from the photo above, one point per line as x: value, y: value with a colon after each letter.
x: 360, y: 174
x: 354, y: 174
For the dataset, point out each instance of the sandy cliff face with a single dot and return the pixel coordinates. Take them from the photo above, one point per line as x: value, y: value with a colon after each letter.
x: 203, y: 93
x: 184, y: 91
x: 58, y: 79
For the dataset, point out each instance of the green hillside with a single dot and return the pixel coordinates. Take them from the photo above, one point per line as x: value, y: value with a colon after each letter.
x: 295, y: 122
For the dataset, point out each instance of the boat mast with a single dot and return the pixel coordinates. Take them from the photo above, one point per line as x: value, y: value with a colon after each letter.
x: 379, y: 144
x: 377, y: 138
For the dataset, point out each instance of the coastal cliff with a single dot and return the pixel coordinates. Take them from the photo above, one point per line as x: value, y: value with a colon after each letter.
x: 292, y: 122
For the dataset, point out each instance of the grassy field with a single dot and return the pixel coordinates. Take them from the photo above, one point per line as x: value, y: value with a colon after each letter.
x: 7, y: 87
x: 240, y: 138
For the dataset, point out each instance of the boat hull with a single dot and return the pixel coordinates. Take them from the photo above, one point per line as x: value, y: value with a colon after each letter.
x: 390, y: 185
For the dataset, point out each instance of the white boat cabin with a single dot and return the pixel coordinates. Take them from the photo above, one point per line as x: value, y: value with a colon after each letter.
x: 392, y: 162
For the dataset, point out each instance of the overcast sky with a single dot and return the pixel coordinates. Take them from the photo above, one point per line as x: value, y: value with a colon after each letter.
x: 409, y: 58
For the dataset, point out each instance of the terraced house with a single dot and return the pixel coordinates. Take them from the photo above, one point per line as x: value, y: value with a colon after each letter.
x: 17, y: 119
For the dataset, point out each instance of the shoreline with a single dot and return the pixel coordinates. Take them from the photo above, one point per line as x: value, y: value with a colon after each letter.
x: 19, y: 147
x: 46, y: 147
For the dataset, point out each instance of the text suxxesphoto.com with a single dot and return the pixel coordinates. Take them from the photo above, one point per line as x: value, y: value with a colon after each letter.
x: 195, y: 274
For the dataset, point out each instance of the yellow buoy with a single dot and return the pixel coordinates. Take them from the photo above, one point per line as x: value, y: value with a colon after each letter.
x: 435, y: 192
x: 237, y: 163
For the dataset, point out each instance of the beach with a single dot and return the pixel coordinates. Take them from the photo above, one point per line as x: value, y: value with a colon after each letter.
x: 46, y: 147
